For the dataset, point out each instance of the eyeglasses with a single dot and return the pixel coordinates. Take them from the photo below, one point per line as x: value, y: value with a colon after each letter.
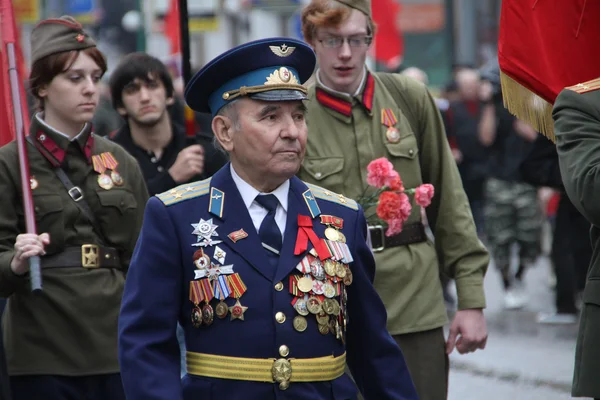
x: 335, y: 42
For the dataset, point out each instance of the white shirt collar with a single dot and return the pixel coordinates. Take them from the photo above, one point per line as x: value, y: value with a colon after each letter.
x: 39, y: 116
x: 357, y: 93
x: 249, y: 193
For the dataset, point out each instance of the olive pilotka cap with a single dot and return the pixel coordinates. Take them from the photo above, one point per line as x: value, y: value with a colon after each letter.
x: 58, y: 35
x: 363, y: 6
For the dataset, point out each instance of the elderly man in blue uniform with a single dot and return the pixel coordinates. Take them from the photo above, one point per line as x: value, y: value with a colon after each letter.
x: 270, y: 278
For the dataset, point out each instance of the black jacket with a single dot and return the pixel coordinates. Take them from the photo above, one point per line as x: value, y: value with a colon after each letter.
x: 156, y: 171
x: 540, y: 167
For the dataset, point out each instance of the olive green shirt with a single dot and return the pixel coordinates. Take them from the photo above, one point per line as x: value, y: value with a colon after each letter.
x: 345, y: 134
x: 71, y: 327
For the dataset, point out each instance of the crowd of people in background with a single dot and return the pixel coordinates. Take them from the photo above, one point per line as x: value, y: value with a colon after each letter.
x: 512, y: 179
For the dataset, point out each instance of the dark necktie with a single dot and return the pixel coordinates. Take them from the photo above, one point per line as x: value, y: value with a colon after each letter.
x: 269, y: 232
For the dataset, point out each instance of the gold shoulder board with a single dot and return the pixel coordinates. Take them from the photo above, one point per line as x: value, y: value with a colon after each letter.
x: 185, y: 192
x: 585, y: 87
x: 324, y: 194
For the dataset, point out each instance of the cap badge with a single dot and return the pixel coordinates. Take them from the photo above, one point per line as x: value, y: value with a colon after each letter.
x: 282, y: 51
x: 80, y: 38
x: 281, y: 76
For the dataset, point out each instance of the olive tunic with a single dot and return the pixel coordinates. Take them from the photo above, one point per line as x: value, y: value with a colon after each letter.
x: 345, y: 134
x: 71, y: 327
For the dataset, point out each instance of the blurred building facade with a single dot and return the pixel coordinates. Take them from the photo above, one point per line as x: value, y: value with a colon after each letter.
x: 437, y: 34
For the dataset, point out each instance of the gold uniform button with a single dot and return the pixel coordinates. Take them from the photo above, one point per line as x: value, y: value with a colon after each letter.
x: 318, y: 175
x: 411, y: 152
x: 284, y: 351
x: 279, y: 286
x: 280, y: 317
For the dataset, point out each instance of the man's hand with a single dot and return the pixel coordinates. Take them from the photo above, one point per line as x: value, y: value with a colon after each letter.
x: 486, y: 91
x: 470, y: 325
x: 189, y: 163
x: 457, y: 154
x: 525, y: 130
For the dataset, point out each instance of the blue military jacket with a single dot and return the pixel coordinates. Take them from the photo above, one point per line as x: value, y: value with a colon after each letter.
x: 157, y: 296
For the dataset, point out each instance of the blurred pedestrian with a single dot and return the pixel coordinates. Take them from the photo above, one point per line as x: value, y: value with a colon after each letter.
x: 571, y: 249
x: 512, y: 213
x: 463, y: 121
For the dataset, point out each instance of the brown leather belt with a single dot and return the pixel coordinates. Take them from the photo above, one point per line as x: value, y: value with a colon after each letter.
x: 411, y: 233
x: 85, y: 256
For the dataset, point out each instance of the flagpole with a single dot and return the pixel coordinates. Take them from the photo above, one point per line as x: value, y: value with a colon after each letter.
x: 186, y: 68
x: 8, y: 35
x: 34, y: 262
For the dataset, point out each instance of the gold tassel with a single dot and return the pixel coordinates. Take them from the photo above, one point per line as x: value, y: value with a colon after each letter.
x: 527, y: 106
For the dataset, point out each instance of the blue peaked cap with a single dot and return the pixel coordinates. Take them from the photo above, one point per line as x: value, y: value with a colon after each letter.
x: 272, y: 69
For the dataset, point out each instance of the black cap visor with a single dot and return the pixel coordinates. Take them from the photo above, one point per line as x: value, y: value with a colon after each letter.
x: 279, y: 95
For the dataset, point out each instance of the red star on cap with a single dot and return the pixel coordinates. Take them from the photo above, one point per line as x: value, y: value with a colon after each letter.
x: 80, y: 38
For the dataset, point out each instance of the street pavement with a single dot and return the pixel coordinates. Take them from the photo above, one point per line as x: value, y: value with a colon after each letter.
x: 522, y: 359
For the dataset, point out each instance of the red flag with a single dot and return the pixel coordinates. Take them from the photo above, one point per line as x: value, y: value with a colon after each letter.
x: 389, y: 46
x: 10, y: 34
x: 543, y: 47
x: 172, y: 27
x: 173, y: 34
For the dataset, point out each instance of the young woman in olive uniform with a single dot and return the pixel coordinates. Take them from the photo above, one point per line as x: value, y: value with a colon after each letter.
x: 89, y: 197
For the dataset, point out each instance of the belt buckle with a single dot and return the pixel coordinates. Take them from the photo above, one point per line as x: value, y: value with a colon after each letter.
x: 282, y: 372
x: 76, y: 193
x: 379, y: 228
x: 90, y: 256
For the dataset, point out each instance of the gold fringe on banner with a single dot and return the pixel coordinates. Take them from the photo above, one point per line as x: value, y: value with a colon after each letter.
x: 527, y: 106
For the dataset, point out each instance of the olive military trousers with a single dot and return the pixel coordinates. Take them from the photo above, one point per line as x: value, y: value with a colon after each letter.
x: 427, y: 361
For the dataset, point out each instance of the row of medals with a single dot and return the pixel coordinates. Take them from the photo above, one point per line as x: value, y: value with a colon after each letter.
x: 206, y: 315
x: 331, y: 316
x: 107, y: 182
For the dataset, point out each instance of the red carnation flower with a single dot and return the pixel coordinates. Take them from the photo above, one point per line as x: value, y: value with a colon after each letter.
x: 389, y: 206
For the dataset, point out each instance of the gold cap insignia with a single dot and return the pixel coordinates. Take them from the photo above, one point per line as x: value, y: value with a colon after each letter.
x: 282, y: 51
x: 281, y: 76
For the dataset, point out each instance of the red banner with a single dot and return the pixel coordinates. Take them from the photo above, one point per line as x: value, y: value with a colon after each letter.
x: 548, y: 45
x: 543, y: 47
x: 172, y: 27
x: 389, y: 46
x: 9, y: 35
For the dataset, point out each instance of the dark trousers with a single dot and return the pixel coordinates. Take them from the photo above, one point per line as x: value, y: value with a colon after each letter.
x: 571, y: 254
x: 4, y: 381
x: 53, y: 387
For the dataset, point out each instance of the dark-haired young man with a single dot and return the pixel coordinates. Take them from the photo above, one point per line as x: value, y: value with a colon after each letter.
x: 142, y: 92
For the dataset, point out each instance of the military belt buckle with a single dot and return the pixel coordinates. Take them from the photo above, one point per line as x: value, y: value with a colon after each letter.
x: 282, y: 372
x: 380, y: 230
x: 90, y: 256
x: 75, y: 193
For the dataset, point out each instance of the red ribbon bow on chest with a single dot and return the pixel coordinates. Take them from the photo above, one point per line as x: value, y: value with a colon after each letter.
x: 305, y: 232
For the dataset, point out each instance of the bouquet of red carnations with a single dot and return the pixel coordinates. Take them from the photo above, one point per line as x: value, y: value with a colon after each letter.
x: 391, y: 198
